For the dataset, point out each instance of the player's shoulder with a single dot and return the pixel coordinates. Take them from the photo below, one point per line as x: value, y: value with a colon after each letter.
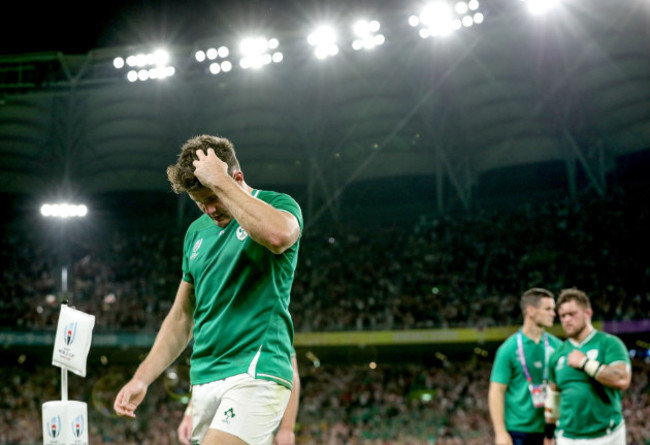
x: 554, y: 341
x: 603, y: 337
x: 509, y: 343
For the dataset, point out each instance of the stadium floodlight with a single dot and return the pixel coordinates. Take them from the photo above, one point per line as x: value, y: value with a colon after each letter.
x: 145, y: 66
x: 323, y: 39
x: 118, y: 62
x: 64, y: 210
x: 366, y: 35
x: 538, y: 7
x: 259, y: 51
x: 441, y: 18
x: 216, y: 58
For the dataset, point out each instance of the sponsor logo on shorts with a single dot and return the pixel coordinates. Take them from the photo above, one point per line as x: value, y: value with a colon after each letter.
x: 228, y: 415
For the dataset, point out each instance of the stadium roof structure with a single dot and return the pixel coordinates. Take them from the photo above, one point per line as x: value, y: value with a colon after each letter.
x: 572, y: 86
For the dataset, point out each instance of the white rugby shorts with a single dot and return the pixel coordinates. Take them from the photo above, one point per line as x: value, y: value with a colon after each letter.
x: 248, y: 408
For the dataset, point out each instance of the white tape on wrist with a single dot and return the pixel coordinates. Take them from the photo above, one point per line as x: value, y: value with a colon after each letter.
x: 188, y: 410
x: 591, y: 367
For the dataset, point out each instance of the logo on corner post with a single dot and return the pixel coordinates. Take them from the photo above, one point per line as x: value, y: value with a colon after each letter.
x: 78, y: 426
x: 54, y: 427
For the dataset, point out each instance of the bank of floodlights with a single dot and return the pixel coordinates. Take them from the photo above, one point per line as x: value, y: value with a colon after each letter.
x: 366, y: 35
x: 324, y: 41
x: 259, y: 51
x: 442, y: 18
x: 538, y: 7
x: 216, y: 58
x: 146, y: 66
x: 64, y: 210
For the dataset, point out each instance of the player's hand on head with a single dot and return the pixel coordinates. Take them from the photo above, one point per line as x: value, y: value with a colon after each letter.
x: 208, y: 168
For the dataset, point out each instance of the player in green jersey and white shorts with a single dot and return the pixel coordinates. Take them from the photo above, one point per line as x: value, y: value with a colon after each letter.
x: 239, y: 260
x: 588, y: 372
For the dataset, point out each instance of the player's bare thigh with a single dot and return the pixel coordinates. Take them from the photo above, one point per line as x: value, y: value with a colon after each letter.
x: 216, y: 437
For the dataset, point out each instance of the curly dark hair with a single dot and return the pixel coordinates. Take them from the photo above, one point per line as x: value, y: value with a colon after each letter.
x: 181, y: 175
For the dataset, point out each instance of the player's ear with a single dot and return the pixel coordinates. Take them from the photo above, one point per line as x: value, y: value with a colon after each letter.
x: 238, y: 176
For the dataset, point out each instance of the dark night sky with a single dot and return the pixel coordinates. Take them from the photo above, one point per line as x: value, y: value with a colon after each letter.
x: 78, y: 27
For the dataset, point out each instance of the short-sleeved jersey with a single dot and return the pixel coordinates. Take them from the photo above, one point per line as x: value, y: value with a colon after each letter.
x: 519, y: 412
x: 241, y: 320
x: 588, y: 409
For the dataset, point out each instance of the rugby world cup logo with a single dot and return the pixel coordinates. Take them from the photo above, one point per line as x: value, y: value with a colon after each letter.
x: 78, y: 426
x: 69, y: 333
x: 54, y: 427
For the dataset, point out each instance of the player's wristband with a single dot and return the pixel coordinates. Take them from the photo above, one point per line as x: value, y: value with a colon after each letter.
x: 549, y: 430
x: 590, y: 367
x: 188, y: 410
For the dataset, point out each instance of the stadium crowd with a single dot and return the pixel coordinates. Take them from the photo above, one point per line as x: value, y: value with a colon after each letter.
x: 341, y: 404
x: 399, y: 276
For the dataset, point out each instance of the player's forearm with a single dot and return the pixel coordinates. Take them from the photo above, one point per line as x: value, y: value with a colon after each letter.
x: 274, y: 229
x: 613, y: 377
x: 496, y: 403
x: 174, y: 335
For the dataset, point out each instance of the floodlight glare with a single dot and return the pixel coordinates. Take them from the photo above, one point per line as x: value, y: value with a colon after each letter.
x: 223, y: 52
x: 212, y: 53
x: 277, y: 57
x: 118, y: 62
x: 160, y: 57
x: 461, y: 7
x: 143, y: 75
x: 478, y: 18
x: 540, y: 6
x: 437, y: 17
x: 215, y: 68
x: 365, y: 31
x: 226, y: 66
x: 473, y: 5
x: 414, y: 21
x: 324, y: 41
x: 468, y: 21
x: 199, y: 55
x: 64, y: 210
x: 132, y: 76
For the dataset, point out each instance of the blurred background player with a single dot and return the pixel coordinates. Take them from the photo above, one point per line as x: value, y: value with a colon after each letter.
x: 587, y: 374
x: 519, y: 375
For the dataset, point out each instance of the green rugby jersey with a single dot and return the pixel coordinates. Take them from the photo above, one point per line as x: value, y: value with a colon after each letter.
x: 588, y: 409
x: 519, y: 412
x: 241, y: 320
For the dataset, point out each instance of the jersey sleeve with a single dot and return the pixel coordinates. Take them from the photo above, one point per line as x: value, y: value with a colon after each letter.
x: 615, y: 351
x: 502, y: 368
x: 286, y: 203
